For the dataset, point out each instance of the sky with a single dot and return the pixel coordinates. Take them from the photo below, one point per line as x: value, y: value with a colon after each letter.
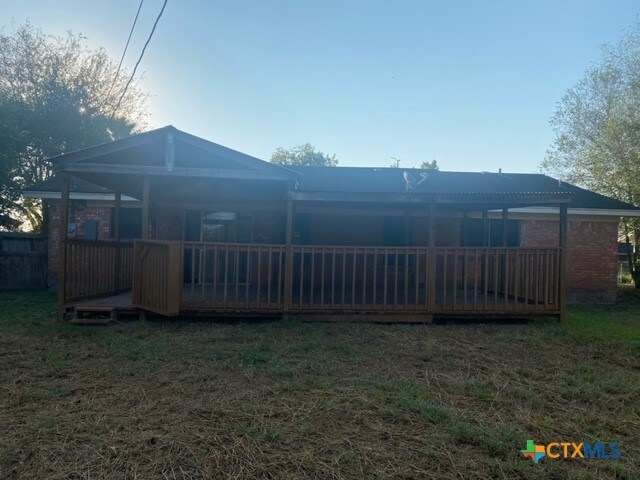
x: 471, y: 84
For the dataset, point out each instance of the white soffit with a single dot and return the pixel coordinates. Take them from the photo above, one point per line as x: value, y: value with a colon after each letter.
x: 598, y: 212
x: 78, y: 196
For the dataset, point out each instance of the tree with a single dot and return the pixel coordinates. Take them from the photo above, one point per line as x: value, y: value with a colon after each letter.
x: 55, y: 96
x: 432, y: 165
x: 305, y: 155
x: 597, y: 131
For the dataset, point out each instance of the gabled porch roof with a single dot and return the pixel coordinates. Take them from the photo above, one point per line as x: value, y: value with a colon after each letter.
x: 171, y: 157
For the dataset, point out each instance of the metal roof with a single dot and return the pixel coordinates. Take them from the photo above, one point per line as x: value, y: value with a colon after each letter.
x: 392, y: 180
x: 145, y: 150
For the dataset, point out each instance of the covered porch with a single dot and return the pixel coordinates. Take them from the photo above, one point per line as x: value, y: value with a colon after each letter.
x: 400, y: 261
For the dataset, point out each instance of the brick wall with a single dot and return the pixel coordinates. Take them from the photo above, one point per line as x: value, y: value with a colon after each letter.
x: 591, y: 255
x: 79, y: 213
x: 268, y: 228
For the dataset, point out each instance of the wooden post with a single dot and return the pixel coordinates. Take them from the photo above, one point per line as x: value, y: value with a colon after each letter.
x: 486, y: 241
x: 431, y: 262
x: 486, y: 234
x: 288, y: 261
x: 432, y: 233
x: 116, y: 234
x: 62, y: 252
x: 463, y: 236
x: 463, y: 243
x: 116, y: 216
x: 562, y: 281
x: 505, y: 256
x: 505, y: 225
x: 170, y: 153
x: 146, y: 183
x: 407, y: 229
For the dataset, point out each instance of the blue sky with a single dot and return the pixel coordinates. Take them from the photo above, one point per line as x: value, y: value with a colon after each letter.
x: 472, y: 84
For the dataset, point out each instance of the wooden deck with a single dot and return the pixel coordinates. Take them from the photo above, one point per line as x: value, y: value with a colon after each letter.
x: 120, y: 301
x: 207, y: 304
x: 178, y: 278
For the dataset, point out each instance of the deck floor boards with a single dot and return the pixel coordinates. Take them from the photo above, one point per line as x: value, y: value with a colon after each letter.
x: 119, y: 301
x: 208, y: 301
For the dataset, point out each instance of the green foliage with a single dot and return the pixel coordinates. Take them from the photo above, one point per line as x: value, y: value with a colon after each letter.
x: 56, y: 96
x: 597, y: 124
x: 303, y: 155
x: 432, y: 165
x: 597, y: 129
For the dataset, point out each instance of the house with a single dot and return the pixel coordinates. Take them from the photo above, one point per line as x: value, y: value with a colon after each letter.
x: 220, y: 232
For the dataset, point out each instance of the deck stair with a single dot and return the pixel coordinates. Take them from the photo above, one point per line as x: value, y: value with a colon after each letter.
x: 93, y: 315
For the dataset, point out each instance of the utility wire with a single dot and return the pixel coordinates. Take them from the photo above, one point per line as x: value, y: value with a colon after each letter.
x: 139, y: 59
x: 115, y: 79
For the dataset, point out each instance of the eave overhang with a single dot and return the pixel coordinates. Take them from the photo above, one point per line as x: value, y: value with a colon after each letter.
x: 441, y: 199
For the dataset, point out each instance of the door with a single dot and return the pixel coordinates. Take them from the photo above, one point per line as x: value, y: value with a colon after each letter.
x: 228, y: 266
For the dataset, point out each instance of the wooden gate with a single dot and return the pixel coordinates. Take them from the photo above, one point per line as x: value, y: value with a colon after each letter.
x: 157, y: 276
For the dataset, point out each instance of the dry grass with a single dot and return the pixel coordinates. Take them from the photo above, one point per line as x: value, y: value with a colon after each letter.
x: 291, y: 400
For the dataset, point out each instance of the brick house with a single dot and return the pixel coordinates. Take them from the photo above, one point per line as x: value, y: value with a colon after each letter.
x: 357, y: 240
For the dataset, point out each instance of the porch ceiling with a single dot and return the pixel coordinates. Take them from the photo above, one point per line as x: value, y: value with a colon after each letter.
x: 191, y: 190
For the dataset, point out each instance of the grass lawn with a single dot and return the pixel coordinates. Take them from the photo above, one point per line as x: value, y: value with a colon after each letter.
x: 180, y: 399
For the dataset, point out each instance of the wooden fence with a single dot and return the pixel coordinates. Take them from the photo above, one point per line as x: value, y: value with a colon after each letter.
x: 23, y: 262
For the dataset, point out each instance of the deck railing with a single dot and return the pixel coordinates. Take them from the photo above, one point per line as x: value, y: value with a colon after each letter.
x: 360, y: 278
x: 371, y: 279
x: 233, y: 276
x: 497, y: 279
x: 95, y: 268
x: 170, y: 277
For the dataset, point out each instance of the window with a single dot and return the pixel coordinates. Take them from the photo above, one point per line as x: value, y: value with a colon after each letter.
x: 471, y: 236
x: 130, y: 223
x: 226, y: 227
x: 217, y: 227
x: 393, y: 232
x: 302, y: 232
x: 394, y: 235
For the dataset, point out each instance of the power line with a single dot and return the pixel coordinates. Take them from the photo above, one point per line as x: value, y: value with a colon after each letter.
x: 115, y: 78
x: 139, y: 59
